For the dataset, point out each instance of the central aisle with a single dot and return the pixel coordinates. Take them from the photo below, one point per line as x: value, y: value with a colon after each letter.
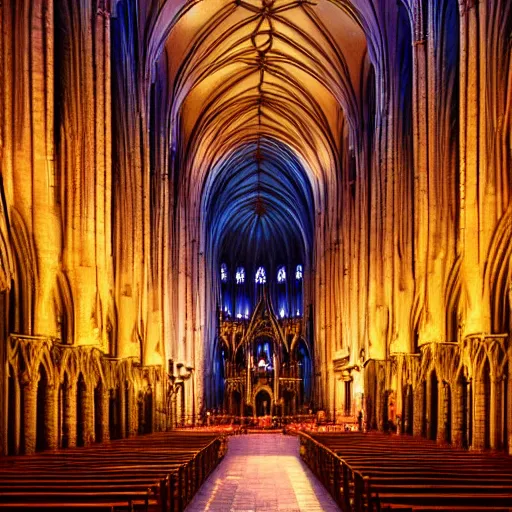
x: 262, y: 473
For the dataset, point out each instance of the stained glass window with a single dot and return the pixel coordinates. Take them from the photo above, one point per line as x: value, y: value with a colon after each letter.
x: 223, y: 272
x: 281, y: 275
x: 298, y: 273
x: 240, y: 275
x: 261, y: 276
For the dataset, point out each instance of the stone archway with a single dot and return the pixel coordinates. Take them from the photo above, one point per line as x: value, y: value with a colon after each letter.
x: 263, y: 401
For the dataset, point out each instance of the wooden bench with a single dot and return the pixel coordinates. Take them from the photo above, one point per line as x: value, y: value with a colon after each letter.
x: 156, y: 472
x: 380, y: 472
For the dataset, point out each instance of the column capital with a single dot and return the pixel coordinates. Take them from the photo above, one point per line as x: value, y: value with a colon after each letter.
x: 28, y: 381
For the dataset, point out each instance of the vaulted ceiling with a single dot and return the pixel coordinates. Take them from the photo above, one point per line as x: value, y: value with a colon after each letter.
x: 262, y: 91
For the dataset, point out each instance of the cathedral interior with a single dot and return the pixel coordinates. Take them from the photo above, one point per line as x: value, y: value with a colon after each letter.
x: 255, y: 208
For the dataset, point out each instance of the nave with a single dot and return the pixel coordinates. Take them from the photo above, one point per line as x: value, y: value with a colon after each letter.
x: 262, y: 473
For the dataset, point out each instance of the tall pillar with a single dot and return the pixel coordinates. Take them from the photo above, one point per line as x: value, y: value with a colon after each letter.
x: 30, y: 415
x: 479, y: 416
x: 105, y: 415
x: 181, y: 401
x: 188, y: 389
x: 132, y: 414
x: 495, y: 404
x: 156, y: 408
x: 123, y: 428
x: 428, y: 407
x: 407, y: 419
x: 69, y: 415
x: 418, y: 412
x: 174, y: 409
x: 458, y: 414
x: 51, y: 416
x: 380, y: 407
x: 17, y: 415
x: 87, y: 414
x: 442, y: 417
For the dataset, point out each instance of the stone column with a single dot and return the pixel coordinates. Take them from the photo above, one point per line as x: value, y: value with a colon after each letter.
x: 168, y: 419
x: 132, y: 414
x: 189, y: 400
x: 30, y: 415
x: 178, y: 401
x: 417, y: 421
x: 51, y: 416
x: 458, y: 414
x: 495, y: 404
x: 17, y: 416
x: 69, y: 415
x: 479, y: 416
x: 407, y: 420
x: 470, y: 427
x: 442, y: 417
x: 380, y: 406
x: 156, y: 408
x: 87, y: 404
x: 122, y: 410
x: 174, y: 409
x: 155, y: 415
x: 105, y: 415
x: 428, y: 407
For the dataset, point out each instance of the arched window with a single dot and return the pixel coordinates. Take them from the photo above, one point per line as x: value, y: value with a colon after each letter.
x: 298, y: 290
x: 281, y: 275
x: 261, y: 276
x: 223, y: 272
x: 240, y: 275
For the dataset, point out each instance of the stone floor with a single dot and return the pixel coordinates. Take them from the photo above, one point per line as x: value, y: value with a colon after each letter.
x: 262, y: 473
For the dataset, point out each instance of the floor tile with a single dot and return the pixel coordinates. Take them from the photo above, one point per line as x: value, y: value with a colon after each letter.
x: 262, y: 473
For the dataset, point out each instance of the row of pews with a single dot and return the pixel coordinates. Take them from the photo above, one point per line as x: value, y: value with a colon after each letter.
x: 374, y: 472
x: 156, y: 472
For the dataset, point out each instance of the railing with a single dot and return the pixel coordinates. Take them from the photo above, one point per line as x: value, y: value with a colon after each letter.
x: 186, y: 480
x: 297, y: 422
x: 349, y: 488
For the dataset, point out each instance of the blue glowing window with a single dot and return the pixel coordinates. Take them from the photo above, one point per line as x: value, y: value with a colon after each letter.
x: 281, y: 275
x: 223, y: 272
x: 298, y: 273
x: 240, y: 275
x: 261, y: 276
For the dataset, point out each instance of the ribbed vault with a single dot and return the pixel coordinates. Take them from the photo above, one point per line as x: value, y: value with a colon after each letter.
x: 259, y: 206
x: 281, y: 69
x: 261, y: 92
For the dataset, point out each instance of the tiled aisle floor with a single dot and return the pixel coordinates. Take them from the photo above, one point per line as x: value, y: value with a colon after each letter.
x: 262, y: 473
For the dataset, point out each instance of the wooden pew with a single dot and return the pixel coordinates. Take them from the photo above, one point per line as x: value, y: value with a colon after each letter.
x: 156, y: 472
x: 379, y: 472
